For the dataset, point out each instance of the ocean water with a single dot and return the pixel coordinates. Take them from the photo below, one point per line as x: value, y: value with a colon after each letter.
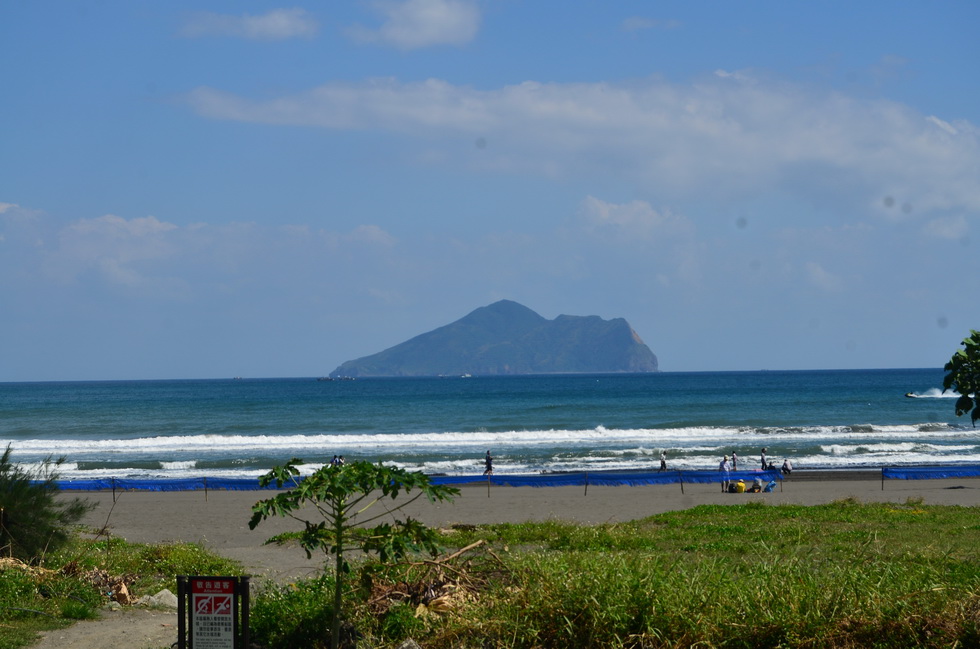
x: 531, y: 424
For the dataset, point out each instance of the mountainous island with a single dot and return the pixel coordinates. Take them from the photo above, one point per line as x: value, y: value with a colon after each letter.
x: 509, y: 338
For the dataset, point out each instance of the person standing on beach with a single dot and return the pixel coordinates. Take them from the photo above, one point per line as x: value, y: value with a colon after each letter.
x: 663, y: 460
x: 734, y: 461
x: 725, y: 474
x: 488, y: 464
x: 765, y: 465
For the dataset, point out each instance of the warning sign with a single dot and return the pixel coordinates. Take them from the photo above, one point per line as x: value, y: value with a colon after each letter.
x: 213, y: 613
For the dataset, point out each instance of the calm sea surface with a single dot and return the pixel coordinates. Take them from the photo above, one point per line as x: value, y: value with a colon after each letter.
x: 240, y: 428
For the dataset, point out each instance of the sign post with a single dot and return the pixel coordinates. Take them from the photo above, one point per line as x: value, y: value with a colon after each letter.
x: 218, y: 612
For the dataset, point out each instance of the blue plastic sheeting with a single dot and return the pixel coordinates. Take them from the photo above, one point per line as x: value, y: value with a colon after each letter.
x: 711, y: 477
x: 540, y: 480
x: 170, y: 484
x: 610, y: 478
x: 622, y: 479
x: 930, y: 472
x: 598, y: 478
x: 457, y: 479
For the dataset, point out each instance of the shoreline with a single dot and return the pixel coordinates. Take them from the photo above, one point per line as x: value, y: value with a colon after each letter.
x: 218, y: 520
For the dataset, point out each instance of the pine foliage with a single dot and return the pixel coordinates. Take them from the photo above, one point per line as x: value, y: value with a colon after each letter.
x: 33, y: 521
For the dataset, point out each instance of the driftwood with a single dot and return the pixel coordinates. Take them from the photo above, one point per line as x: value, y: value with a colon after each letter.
x: 443, y: 583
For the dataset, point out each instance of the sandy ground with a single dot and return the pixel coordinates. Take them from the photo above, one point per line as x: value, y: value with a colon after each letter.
x: 219, y: 521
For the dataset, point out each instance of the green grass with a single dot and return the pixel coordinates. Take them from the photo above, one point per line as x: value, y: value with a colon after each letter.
x: 843, y: 575
x: 57, y: 592
x: 838, y: 575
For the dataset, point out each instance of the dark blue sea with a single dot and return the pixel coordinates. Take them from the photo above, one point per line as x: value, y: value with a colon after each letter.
x: 531, y: 424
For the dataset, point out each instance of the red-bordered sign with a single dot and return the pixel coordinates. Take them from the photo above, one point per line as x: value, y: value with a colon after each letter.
x: 213, y: 608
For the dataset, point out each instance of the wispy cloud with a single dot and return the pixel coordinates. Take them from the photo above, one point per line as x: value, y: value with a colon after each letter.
x: 156, y: 256
x: 727, y: 136
x: 414, y: 24
x: 953, y: 227
x: 822, y: 278
x: 276, y: 25
x: 636, y: 219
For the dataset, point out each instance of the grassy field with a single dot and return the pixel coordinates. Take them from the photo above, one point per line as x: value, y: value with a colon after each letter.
x: 754, y: 575
x: 839, y: 575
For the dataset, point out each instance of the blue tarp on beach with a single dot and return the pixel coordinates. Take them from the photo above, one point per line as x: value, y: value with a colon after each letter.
x: 610, y: 478
x: 930, y: 472
x: 596, y: 478
x: 168, y: 484
x: 710, y: 477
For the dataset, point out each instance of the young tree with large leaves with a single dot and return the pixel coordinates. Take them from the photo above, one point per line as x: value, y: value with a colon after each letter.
x: 347, y: 498
x: 963, y: 376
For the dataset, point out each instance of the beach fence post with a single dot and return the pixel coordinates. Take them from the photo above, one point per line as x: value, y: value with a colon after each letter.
x: 488, y: 485
x: 680, y: 479
x: 112, y: 481
x: 586, y: 483
x: 205, y: 489
x: 882, y: 478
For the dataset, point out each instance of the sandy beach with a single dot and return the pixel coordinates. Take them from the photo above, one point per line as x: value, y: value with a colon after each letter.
x: 219, y: 519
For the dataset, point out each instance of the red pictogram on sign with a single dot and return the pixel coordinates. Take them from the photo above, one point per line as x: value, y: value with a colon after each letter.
x: 204, y: 605
x: 222, y: 604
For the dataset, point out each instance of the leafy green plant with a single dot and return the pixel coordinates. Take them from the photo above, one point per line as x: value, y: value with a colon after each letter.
x: 963, y: 376
x: 293, y: 615
x: 32, y: 520
x: 343, y: 496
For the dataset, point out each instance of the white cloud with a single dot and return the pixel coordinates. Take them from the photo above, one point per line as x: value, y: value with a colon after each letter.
x: 952, y: 227
x: 372, y: 234
x: 13, y: 213
x: 276, y: 25
x: 158, y: 257
x: 415, y: 24
x: 634, y: 219
x: 112, y: 246
x: 821, y: 278
x: 728, y: 136
x: 944, y: 125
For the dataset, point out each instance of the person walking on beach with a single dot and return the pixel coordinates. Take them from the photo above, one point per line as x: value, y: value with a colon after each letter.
x: 725, y: 474
x: 488, y: 464
x: 734, y: 461
x: 765, y: 465
x: 663, y: 460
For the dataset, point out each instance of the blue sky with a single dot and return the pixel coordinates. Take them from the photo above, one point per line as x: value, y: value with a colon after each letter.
x: 212, y: 189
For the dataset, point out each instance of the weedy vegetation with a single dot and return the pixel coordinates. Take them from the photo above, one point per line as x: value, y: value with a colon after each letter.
x: 840, y: 575
x: 84, y: 575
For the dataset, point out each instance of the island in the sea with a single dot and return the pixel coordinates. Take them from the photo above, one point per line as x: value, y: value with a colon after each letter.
x: 509, y: 338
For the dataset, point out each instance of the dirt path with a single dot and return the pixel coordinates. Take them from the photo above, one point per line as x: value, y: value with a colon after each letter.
x: 132, y: 628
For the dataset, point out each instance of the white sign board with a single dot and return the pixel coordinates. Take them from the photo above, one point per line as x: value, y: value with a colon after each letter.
x: 213, y: 613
